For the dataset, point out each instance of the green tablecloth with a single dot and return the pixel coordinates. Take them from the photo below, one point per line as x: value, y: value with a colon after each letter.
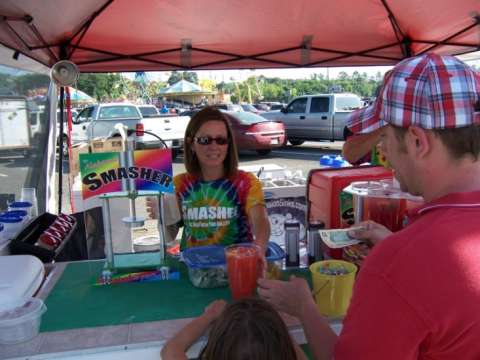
x: 306, y: 350
x: 75, y: 302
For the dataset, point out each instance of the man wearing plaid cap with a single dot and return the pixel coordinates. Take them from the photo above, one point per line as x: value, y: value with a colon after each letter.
x: 417, y: 295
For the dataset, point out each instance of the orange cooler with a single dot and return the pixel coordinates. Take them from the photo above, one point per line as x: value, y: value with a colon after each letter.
x: 323, y: 193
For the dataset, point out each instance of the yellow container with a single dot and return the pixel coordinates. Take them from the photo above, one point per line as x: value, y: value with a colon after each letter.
x: 332, y: 293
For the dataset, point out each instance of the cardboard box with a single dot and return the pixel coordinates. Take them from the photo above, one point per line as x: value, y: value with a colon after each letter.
x: 285, y: 200
x: 106, y: 145
x: 77, y: 149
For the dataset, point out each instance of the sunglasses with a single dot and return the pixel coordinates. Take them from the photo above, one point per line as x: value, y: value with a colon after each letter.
x: 207, y: 140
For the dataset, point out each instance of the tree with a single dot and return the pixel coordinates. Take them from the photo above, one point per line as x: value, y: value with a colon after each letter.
x: 153, y: 88
x: 175, y: 77
x: 227, y: 88
x: 105, y: 87
x: 190, y: 76
x: 31, y: 81
x: 186, y: 75
x: 7, y: 86
x: 260, y: 88
x: 207, y: 84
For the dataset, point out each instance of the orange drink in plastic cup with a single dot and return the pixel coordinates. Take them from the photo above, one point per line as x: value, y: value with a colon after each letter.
x: 243, y: 267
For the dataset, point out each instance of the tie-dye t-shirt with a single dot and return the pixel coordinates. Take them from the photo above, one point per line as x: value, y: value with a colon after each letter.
x: 216, y: 212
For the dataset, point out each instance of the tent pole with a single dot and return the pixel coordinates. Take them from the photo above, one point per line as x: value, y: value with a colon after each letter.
x: 60, y: 151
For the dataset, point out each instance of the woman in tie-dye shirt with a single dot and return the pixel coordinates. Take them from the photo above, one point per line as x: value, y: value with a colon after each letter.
x: 219, y: 203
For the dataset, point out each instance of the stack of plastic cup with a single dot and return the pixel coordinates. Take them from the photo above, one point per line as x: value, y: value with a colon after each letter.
x: 30, y: 195
x: 23, y: 214
x: 21, y: 205
x: 11, y: 225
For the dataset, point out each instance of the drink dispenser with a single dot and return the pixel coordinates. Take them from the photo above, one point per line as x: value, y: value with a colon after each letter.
x: 383, y: 202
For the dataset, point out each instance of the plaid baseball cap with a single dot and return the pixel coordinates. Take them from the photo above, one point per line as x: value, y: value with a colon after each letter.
x: 429, y: 91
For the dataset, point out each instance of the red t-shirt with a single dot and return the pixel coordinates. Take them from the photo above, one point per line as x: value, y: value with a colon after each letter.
x: 418, y: 294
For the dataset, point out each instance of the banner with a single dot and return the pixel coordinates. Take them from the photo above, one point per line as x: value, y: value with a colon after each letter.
x: 102, y: 173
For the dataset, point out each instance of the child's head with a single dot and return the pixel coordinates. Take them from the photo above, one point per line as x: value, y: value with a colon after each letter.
x: 249, y: 329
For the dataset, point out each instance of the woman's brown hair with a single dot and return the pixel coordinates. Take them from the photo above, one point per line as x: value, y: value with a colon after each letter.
x: 249, y: 329
x: 190, y: 159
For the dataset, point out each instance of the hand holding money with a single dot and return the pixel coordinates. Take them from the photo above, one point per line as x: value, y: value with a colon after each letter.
x: 370, y: 232
x: 338, y: 238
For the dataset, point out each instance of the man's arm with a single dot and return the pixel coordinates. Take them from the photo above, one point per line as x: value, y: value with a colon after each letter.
x: 298, y: 351
x: 320, y: 336
x: 358, y: 145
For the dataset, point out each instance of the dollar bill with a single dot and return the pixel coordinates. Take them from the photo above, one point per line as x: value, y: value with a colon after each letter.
x: 338, y: 238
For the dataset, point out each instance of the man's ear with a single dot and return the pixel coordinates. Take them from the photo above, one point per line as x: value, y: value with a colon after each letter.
x: 419, y: 141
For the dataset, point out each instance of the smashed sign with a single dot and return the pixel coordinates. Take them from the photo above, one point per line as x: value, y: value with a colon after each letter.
x: 102, y: 173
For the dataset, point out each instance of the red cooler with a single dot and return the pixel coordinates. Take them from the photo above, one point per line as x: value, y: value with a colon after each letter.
x: 324, y: 187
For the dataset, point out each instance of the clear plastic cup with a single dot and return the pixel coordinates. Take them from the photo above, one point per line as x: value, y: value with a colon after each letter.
x: 243, y: 268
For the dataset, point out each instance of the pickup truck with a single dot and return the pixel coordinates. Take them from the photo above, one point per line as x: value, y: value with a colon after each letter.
x: 99, y: 121
x: 315, y: 117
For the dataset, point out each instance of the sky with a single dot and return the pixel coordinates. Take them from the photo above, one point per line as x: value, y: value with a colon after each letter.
x: 298, y: 73
x: 241, y: 75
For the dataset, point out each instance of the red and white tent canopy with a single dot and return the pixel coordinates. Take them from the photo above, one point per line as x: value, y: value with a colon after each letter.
x: 125, y: 35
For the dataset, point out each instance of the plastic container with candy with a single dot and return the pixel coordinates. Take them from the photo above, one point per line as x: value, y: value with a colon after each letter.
x: 207, y: 264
